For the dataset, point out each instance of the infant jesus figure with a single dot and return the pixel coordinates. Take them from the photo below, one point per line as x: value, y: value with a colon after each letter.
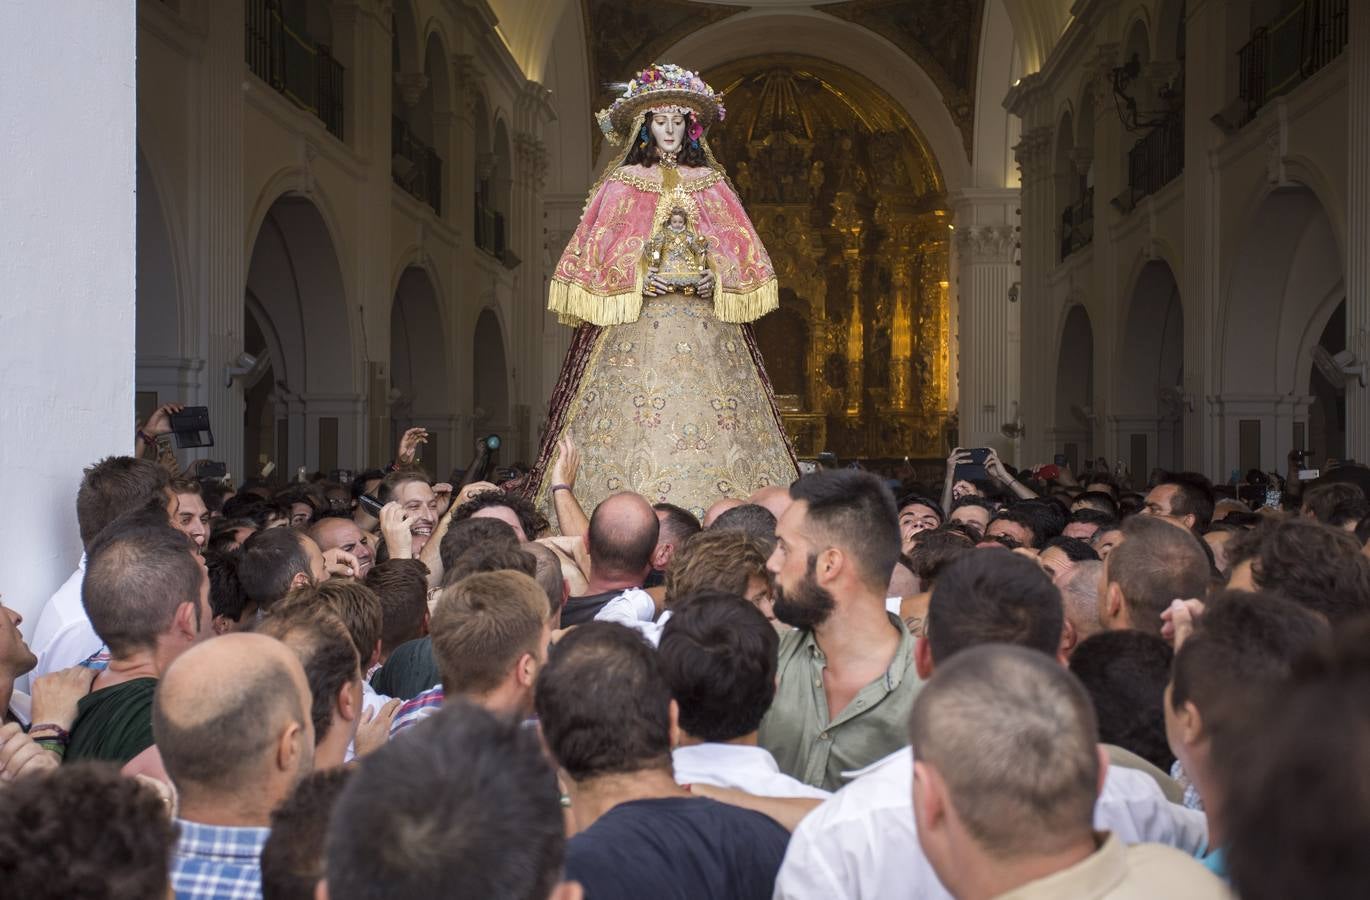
x: 677, y: 257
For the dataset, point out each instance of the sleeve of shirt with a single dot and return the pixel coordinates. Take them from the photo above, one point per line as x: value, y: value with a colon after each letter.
x: 74, y: 644
x: 628, y: 608
x: 1133, y: 807
x: 807, y: 872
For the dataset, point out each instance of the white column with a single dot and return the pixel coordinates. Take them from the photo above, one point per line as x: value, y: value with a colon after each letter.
x: 1358, y: 229
x: 220, y: 257
x: 988, y: 326
x: 67, y: 311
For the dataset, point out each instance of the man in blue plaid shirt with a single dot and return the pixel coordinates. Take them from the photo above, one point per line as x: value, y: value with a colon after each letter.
x: 232, y: 723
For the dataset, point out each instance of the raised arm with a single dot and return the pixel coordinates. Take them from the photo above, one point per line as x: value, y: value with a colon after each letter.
x: 571, y: 519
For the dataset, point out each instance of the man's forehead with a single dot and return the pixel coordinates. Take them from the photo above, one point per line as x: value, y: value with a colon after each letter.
x: 415, y: 490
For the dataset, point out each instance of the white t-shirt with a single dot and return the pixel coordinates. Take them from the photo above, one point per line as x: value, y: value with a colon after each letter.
x: 863, y: 843
x: 64, y: 636
x: 635, y: 608
x: 750, y: 769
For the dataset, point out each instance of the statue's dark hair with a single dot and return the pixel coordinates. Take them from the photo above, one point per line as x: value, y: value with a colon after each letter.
x: 691, y: 154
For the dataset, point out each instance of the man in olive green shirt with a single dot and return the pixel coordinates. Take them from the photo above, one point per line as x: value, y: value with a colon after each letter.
x: 846, y: 671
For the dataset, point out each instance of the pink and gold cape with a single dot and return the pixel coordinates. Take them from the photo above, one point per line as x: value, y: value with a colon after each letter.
x: 600, y: 276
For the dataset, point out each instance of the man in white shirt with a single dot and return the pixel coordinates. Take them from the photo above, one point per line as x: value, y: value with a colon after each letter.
x: 718, y: 655
x: 863, y: 843
x: 63, y: 636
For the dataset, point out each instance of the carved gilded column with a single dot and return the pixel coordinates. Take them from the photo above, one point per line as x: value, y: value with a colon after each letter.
x: 848, y: 222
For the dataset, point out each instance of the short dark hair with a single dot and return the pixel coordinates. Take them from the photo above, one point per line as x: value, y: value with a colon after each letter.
x: 529, y: 518
x: 749, y: 518
x: 316, y: 635
x: 482, y: 625
x: 268, y: 561
x: 1318, y: 566
x: 466, y: 534
x: 1242, y: 648
x: 226, y: 596
x: 615, y: 549
x: 718, y: 655
x: 715, y: 561
x: 1098, y: 501
x: 139, y: 571
x: 359, y: 481
x: 84, y: 831
x: 1030, y: 518
x: 603, y: 703
x: 293, y: 855
x: 477, y: 787
x: 402, y: 586
x: 678, y: 523
x: 1075, y: 549
x: 1100, y: 477
x: 222, y: 752
x: 993, y: 597
x: 113, y: 486
x: 1126, y: 673
x: 1289, y: 834
x: 490, y: 559
x: 1155, y: 564
x: 976, y: 501
x: 920, y: 500
x: 403, y: 475
x: 1324, y: 499
x: 935, y: 550
x: 855, y: 510
x: 1100, y: 520
x: 1194, y: 496
x: 357, y: 607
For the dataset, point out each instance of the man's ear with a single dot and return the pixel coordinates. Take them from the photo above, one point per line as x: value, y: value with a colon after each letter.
x: 661, y: 555
x: 929, y: 799
x: 1114, y: 607
x: 526, y: 670
x: 831, y: 563
x: 1103, y: 765
x: 223, y: 625
x: 922, y: 657
x: 1069, y: 638
x: 301, y: 579
x: 346, y: 705
x: 427, y: 614
x: 1189, y: 520
x: 289, y: 748
x: 1191, y: 724
x: 375, y: 658
x: 183, y: 622
x: 673, y: 711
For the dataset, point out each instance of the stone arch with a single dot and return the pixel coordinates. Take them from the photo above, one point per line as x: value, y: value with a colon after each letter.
x: 305, y: 410
x: 1169, y: 42
x: 1137, y: 38
x: 406, y: 38
x: 503, y: 178
x: 1074, y: 432
x: 1285, y: 286
x: 490, y: 377
x: 420, y: 376
x: 1149, y: 400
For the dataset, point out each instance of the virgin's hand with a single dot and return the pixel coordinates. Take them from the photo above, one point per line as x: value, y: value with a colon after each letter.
x: 705, y: 288
x: 651, y: 284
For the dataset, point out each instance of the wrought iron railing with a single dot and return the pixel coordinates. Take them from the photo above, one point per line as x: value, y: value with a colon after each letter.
x: 1281, y: 55
x: 1156, y: 159
x: 415, y: 166
x: 1077, y: 224
x: 293, y: 64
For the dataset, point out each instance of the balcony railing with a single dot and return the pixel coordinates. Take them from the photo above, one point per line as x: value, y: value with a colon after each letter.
x: 1156, y: 159
x: 489, y: 228
x: 293, y: 64
x: 1077, y: 224
x: 414, y: 165
x: 1284, y: 53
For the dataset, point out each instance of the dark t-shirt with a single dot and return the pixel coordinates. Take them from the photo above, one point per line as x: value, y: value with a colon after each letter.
x: 113, y: 724
x: 409, y: 670
x: 677, y: 848
x: 579, y: 610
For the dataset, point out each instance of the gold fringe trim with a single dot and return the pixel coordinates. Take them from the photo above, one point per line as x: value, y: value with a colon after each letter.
x: 748, y: 307
x: 574, y: 304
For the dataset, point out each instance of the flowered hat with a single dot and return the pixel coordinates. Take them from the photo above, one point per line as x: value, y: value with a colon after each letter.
x: 660, y: 87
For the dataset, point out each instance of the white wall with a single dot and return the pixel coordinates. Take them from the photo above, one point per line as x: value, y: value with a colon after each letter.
x: 67, y: 270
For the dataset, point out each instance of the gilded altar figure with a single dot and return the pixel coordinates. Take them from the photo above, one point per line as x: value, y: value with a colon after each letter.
x: 663, y: 389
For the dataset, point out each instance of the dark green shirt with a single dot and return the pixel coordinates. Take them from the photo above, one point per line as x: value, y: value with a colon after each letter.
x: 811, y: 745
x: 113, y: 724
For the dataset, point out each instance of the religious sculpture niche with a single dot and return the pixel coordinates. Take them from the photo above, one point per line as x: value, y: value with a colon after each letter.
x: 850, y: 204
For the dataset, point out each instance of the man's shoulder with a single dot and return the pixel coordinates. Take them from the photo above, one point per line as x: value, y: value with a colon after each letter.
x: 1165, y: 870
x: 878, y: 791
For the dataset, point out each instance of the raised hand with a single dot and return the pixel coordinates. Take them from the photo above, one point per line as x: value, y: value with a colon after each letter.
x: 409, y: 445
x: 395, y: 529
x: 340, y: 563
x: 159, y: 422
x: 374, y: 729
x: 567, y: 466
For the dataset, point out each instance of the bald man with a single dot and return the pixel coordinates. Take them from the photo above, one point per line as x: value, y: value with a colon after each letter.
x: 719, y: 508
x: 621, y: 539
x: 774, y: 497
x: 333, y: 532
x: 231, y: 719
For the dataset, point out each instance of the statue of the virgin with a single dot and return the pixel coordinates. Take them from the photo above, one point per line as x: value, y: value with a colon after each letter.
x: 663, y: 389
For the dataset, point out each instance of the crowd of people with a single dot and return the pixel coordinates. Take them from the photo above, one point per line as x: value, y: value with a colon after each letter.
x: 1025, y: 685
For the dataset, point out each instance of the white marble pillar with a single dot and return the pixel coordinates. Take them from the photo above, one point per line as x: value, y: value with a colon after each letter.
x: 220, y: 256
x: 1358, y: 228
x: 989, y: 323
x: 67, y: 341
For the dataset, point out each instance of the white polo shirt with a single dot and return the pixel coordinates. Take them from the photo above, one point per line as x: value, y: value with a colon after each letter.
x: 745, y: 768
x: 863, y: 843
x: 64, y: 636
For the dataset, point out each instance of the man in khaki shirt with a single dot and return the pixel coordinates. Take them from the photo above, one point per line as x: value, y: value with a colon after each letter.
x: 1006, y: 772
x: 846, y: 672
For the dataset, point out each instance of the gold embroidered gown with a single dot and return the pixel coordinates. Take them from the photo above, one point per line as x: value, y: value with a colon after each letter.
x: 666, y: 396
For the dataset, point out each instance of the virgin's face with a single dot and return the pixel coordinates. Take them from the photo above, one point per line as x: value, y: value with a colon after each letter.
x: 669, y: 131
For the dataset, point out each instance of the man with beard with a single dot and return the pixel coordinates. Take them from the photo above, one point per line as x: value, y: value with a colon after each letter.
x: 846, y: 672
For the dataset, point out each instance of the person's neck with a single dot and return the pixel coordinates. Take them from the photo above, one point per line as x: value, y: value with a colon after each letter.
x: 594, y: 797
x: 331, y: 751
x: 1197, y: 770
x: 508, y: 700
x: 6, y: 694
x: 689, y: 740
x: 611, y: 581
x: 984, y: 876
x: 238, y: 809
x: 858, y: 629
x: 138, y: 664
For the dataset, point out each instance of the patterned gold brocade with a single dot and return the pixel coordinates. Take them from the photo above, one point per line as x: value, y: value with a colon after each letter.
x: 673, y: 405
